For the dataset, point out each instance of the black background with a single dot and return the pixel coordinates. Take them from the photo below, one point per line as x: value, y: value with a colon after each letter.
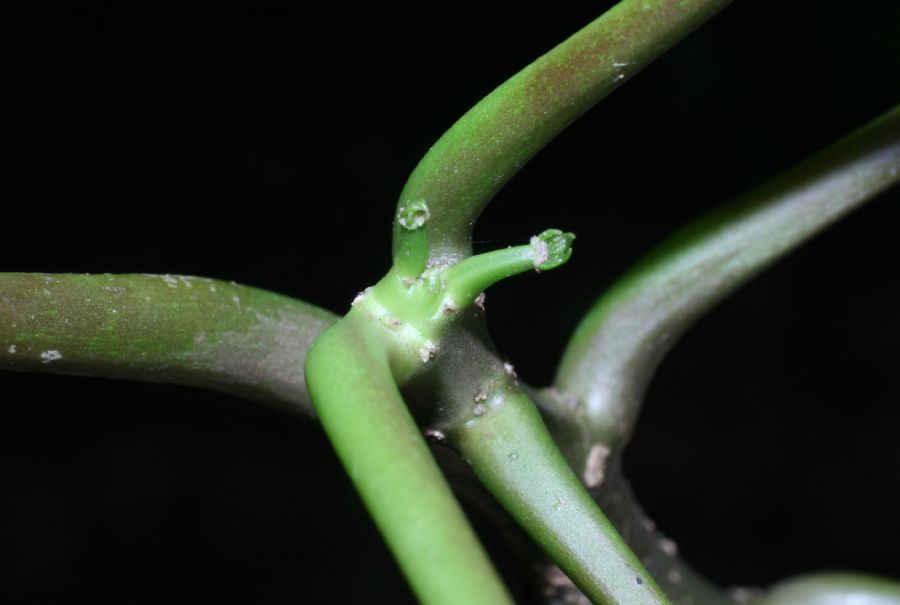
x: 268, y: 147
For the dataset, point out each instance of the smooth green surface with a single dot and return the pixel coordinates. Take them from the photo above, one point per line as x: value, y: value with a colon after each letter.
x: 382, y: 449
x: 512, y: 453
x: 617, y: 346
x: 472, y: 161
x: 497, y: 429
x: 161, y: 328
x: 472, y: 276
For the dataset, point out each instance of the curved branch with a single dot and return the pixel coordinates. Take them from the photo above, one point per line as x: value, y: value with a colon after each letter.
x: 472, y: 161
x: 618, y: 345
x: 161, y: 328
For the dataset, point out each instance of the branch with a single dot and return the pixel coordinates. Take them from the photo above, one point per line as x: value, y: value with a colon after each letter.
x: 388, y: 461
x: 472, y: 161
x: 485, y: 415
x: 618, y: 345
x: 161, y: 328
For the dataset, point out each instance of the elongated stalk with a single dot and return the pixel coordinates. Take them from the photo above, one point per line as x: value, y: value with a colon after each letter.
x: 394, y: 332
x: 161, y: 328
x: 468, y: 278
x: 618, y: 345
x: 383, y: 451
x: 514, y: 456
x: 485, y: 415
x: 472, y: 161
x: 600, y: 469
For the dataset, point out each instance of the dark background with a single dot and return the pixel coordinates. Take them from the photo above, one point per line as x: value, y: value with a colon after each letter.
x: 269, y: 146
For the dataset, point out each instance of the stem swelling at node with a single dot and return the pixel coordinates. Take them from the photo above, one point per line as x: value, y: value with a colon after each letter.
x: 353, y: 371
x: 416, y: 310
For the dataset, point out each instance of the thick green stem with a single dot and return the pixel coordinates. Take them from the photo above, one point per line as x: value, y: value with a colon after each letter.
x: 381, y: 447
x: 161, y: 328
x: 487, y: 418
x: 600, y: 470
x: 514, y: 456
x: 616, y: 348
x: 487, y: 146
x: 512, y: 453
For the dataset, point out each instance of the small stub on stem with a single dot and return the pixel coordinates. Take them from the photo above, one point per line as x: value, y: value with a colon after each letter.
x: 411, y: 254
x: 413, y: 215
x: 551, y: 249
x: 419, y: 301
x: 468, y: 279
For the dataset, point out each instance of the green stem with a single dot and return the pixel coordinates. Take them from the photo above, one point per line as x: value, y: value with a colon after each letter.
x: 411, y: 255
x: 514, y: 456
x: 472, y: 276
x: 383, y: 451
x: 469, y: 278
x: 161, y: 328
x: 600, y: 470
x: 618, y: 345
x: 472, y: 161
x: 419, y: 310
x: 494, y: 426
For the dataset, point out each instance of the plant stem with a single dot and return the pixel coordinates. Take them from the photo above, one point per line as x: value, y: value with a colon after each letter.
x: 472, y: 276
x: 161, y: 328
x: 618, y: 345
x: 472, y: 161
x: 514, y: 456
x: 497, y: 428
x: 375, y: 436
x: 411, y: 255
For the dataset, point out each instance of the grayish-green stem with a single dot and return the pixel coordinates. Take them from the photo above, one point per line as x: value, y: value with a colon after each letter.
x: 600, y: 469
x: 161, y: 328
x: 496, y: 427
x: 514, y: 456
x: 616, y: 348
